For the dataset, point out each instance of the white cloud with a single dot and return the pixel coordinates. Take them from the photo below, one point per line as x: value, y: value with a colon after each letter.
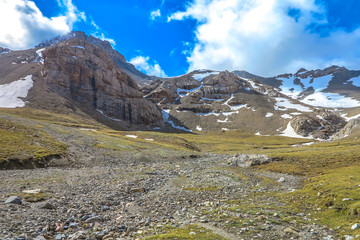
x: 155, y: 14
x: 99, y: 34
x: 24, y: 25
x: 259, y: 36
x: 152, y: 69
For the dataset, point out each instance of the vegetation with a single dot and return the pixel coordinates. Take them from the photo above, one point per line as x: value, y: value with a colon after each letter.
x: 189, y: 232
x: 331, y: 192
x: 21, y: 143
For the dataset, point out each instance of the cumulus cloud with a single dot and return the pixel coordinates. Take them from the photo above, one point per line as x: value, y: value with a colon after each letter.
x: 151, y: 68
x: 155, y: 14
x: 266, y: 37
x: 24, y: 25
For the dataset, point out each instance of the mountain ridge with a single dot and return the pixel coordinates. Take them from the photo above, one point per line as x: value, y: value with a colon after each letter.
x: 88, y: 73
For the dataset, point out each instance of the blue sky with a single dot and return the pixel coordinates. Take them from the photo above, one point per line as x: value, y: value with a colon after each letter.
x: 170, y: 37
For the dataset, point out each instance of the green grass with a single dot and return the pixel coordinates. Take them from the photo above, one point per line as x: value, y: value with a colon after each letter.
x: 325, y: 197
x: 23, y: 143
x: 332, y: 168
x: 172, y: 233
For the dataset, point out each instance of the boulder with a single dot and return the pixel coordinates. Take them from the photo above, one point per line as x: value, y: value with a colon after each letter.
x: 246, y: 160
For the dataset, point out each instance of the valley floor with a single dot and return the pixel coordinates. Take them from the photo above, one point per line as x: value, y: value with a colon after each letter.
x: 111, y: 185
x: 192, y: 198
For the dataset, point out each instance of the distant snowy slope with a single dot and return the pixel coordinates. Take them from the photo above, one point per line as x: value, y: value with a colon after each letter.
x: 11, y: 93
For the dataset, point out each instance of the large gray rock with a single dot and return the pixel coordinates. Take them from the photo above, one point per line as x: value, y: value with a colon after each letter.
x: 246, y: 160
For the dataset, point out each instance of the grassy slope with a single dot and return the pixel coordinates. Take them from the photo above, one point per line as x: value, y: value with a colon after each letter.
x: 22, y: 143
x: 332, y: 168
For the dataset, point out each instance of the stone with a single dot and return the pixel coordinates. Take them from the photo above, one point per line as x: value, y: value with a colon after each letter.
x: 355, y: 226
x: 39, y: 238
x: 85, y: 217
x: 13, y: 200
x: 192, y: 233
x: 47, y: 205
x: 73, y: 225
x: 281, y: 180
x: 290, y: 231
x: 140, y: 190
x: 106, y: 208
x: 94, y: 219
x: 77, y: 235
x: 35, y: 191
x: 348, y: 237
x: 60, y: 236
x: 59, y: 226
x: 246, y: 160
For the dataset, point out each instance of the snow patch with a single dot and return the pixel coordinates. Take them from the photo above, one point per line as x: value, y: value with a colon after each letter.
x: 330, y: 100
x: 283, y: 104
x: 166, y: 116
x: 269, y: 115
x: 199, y: 128
x: 114, y: 119
x: 39, y: 57
x: 187, y: 92
x: 209, y: 114
x: 350, y: 118
x: 290, y: 132
x: 200, y: 76
x: 222, y: 121
x: 11, y: 93
x: 80, y: 47
x: 286, y: 116
x: 236, y: 107
x: 131, y: 136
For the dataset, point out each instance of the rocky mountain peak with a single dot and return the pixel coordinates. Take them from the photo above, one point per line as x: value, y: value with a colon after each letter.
x: 118, y: 58
x: 303, y: 73
x: 84, y: 72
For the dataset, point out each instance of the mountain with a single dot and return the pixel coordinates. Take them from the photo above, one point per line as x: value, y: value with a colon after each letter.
x: 76, y: 72
x: 307, y: 104
x: 118, y: 58
x: 80, y: 72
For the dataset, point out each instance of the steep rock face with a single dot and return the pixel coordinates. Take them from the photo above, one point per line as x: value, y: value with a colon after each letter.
x: 85, y: 73
x: 118, y: 58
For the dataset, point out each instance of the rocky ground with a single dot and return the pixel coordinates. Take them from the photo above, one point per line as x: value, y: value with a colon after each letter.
x: 132, y: 200
x: 104, y: 194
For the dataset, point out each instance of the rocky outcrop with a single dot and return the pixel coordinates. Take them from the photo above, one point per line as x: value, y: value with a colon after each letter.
x: 303, y: 73
x: 351, y: 127
x: 224, y: 83
x: 246, y: 160
x: 321, y: 124
x: 78, y: 70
